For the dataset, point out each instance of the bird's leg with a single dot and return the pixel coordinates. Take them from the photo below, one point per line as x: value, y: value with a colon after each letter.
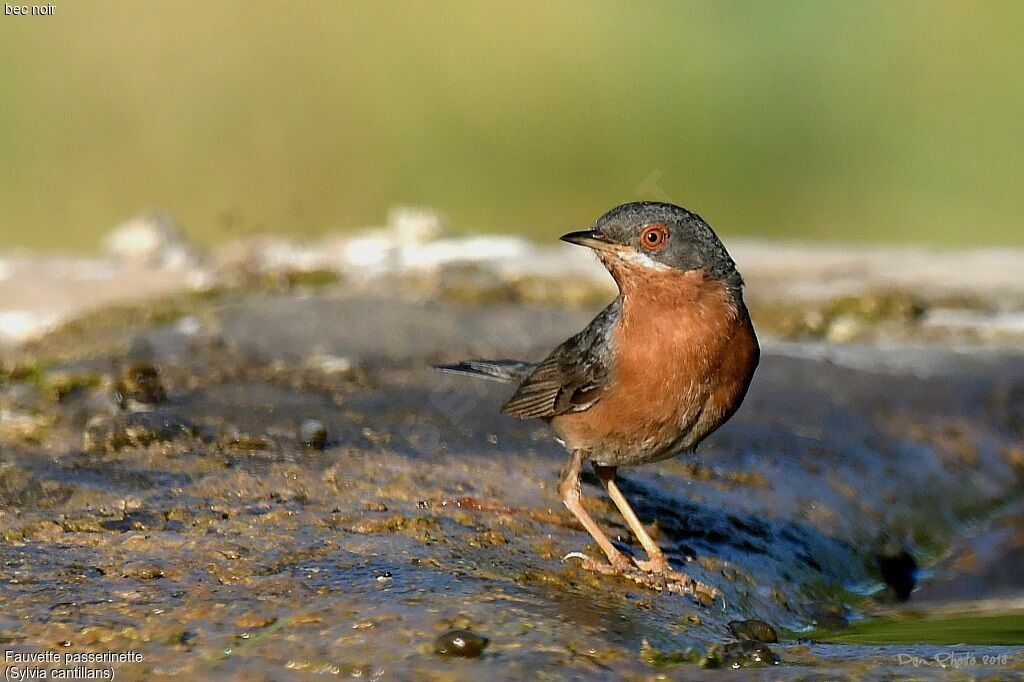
x: 569, y: 489
x: 656, y: 562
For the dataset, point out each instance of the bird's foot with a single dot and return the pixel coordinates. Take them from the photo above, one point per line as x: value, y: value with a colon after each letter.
x: 658, y: 569
x: 657, y: 575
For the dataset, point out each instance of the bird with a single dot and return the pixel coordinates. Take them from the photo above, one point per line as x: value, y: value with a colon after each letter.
x: 665, y: 364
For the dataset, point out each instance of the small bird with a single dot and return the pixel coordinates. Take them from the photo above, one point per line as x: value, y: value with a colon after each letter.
x: 656, y: 372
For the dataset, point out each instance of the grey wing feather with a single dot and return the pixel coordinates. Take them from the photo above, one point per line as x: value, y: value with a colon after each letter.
x: 572, y: 377
x: 495, y: 370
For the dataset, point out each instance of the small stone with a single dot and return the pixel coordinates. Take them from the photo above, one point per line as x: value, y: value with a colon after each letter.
x: 753, y: 631
x: 461, y: 643
x: 313, y: 434
x: 829, y: 616
x: 236, y: 441
x: 139, y: 383
x: 134, y: 429
x: 143, y: 570
x: 739, y: 655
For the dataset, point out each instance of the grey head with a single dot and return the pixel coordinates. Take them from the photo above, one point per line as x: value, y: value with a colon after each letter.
x: 659, y: 235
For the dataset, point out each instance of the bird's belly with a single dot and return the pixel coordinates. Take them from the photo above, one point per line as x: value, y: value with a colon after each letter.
x: 618, y: 432
x: 643, y: 417
x: 655, y: 410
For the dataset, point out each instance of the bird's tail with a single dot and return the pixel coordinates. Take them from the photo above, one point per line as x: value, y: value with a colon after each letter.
x: 505, y: 371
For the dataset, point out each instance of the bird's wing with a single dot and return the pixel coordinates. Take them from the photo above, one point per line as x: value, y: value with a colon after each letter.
x: 573, y: 377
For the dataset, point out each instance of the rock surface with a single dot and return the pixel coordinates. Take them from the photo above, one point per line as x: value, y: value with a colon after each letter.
x: 200, y: 532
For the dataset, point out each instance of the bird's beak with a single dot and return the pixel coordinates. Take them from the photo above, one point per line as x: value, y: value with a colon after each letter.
x: 592, y: 239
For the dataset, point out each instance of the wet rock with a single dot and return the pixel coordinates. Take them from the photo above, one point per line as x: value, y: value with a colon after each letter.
x: 313, y: 434
x: 421, y: 528
x: 136, y: 521
x: 753, y: 631
x: 19, y: 488
x: 488, y: 538
x: 235, y: 441
x: 139, y: 383
x: 665, y: 659
x: 134, y: 429
x: 745, y: 654
x: 92, y: 635
x: 41, y: 531
x: 84, y: 522
x: 829, y: 616
x: 143, y: 570
x: 460, y: 643
x: 230, y: 572
x: 248, y: 535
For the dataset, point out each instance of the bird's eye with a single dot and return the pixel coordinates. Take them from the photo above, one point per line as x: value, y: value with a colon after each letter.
x: 654, y: 237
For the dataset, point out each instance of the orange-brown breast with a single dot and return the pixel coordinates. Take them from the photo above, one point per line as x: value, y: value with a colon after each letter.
x: 684, y: 353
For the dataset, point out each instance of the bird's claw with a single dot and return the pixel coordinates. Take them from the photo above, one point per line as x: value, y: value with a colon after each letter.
x: 591, y: 564
x: 575, y: 555
x: 654, y: 574
x: 680, y: 583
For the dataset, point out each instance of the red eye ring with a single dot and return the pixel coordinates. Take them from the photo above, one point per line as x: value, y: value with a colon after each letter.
x: 654, y: 237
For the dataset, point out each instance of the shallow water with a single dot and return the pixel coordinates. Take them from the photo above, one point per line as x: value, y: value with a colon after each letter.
x: 200, y: 533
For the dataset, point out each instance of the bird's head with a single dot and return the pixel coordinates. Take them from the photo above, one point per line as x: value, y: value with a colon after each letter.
x: 657, y: 236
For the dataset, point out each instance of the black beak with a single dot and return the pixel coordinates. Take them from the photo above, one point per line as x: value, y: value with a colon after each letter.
x: 590, y: 238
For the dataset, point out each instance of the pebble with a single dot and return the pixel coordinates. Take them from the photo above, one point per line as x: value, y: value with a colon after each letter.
x: 753, y: 631
x: 140, y: 383
x: 143, y: 570
x: 461, y: 643
x: 313, y: 434
x: 134, y: 429
x: 745, y: 654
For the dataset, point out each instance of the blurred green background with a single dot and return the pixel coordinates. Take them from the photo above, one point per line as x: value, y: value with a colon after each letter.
x: 837, y: 121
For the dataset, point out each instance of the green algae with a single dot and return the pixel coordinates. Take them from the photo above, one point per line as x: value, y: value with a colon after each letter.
x: 962, y: 628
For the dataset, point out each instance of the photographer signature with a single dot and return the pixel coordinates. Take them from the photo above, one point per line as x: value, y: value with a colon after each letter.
x: 953, y: 659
